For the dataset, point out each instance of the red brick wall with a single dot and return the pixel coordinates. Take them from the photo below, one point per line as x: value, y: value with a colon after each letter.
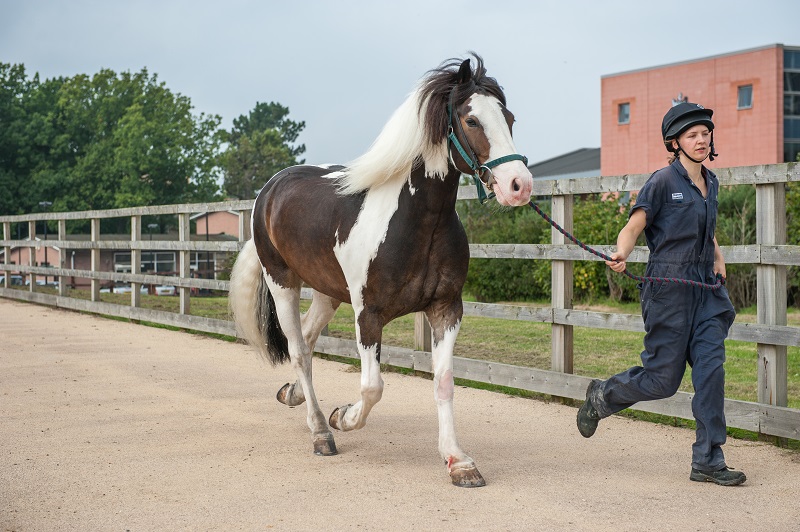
x: 742, y: 137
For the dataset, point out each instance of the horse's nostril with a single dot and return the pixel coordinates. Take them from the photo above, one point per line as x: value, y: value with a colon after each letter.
x: 515, y: 185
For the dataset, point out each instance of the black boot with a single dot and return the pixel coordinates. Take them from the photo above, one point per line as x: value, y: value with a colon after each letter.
x: 588, y: 418
x: 723, y: 477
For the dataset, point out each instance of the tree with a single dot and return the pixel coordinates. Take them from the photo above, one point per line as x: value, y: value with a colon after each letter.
x: 269, y: 116
x: 100, y: 142
x: 25, y: 130
x: 259, y: 145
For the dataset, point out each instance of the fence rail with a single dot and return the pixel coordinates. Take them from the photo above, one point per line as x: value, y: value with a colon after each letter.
x: 770, y: 254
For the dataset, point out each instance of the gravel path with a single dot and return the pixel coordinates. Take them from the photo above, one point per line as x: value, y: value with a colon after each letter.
x: 107, y: 425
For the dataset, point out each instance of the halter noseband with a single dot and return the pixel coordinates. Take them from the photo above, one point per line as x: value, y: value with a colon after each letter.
x: 478, y: 170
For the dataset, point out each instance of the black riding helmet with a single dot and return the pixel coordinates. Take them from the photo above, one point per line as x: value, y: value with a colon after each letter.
x: 683, y: 116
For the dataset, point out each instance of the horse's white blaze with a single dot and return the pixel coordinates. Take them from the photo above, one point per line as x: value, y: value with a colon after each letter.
x: 487, y: 110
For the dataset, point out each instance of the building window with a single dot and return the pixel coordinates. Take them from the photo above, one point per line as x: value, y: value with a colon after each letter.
x: 152, y: 262
x: 204, y: 263
x: 624, y: 113
x: 791, y: 81
x: 791, y: 104
x: 791, y: 59
x: 745, y: 100
x: 791, y: 128
x: 791, y: 152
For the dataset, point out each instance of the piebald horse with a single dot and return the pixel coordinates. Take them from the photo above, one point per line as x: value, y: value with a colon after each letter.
x: 381, y: 234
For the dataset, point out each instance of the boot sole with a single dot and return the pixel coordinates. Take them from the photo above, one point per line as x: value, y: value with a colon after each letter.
x: 702, y: 477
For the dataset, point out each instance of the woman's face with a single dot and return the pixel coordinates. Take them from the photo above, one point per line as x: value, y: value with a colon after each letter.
x: 695, y: 141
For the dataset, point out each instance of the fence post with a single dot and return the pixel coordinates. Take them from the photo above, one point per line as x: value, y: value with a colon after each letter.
x: 62, y: 257
x: 136, y: 259
x: 95, y: 258
x: 31, y: 254
x: 244, y: 226
x: 7, y: 254
x: 562, y: 335
x: 771, y: 294
x: 422, y: 332
x: 185, y: 262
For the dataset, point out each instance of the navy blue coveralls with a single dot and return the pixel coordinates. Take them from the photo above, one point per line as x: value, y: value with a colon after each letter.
x: 682, y: 323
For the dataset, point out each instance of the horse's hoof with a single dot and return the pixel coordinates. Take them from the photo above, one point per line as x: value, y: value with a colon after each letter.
x: 286, y: 396
x: 466, y: 476
x: 337, y: 417
x: 325, y: 446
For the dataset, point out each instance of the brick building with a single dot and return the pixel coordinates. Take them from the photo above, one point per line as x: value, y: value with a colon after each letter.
x: 755, y: 95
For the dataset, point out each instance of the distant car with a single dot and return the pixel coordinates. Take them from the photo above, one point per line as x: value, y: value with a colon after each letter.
x: 122, y: 288
x: 13, y: 280
x: 40, y: 282
x: 165, y: 290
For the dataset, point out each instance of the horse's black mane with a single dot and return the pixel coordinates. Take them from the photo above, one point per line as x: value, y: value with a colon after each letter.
x: 436, y: 87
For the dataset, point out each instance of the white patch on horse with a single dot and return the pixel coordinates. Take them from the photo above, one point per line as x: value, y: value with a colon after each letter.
x: 361, y: 247
x: 411, y: 188
x: 335, y: 175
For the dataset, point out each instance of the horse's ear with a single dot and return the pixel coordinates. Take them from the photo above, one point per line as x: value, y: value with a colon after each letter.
x: 464, y: 72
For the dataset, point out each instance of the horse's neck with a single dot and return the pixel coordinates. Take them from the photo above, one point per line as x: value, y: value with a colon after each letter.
x: 435, y: 194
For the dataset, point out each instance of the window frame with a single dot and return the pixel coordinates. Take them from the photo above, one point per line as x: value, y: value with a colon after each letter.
x: 627, y: 107
x: 739, y: 91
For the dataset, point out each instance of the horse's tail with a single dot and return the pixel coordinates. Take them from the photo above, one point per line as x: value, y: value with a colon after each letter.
x: 253, y: 308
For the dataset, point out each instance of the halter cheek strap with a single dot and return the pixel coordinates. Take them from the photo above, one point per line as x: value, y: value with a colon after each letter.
x: 469, y: 157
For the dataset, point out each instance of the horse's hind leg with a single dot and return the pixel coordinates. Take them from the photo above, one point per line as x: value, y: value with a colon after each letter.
x: 312, y: 322
x: 445, y: 323
x: 287, y: 306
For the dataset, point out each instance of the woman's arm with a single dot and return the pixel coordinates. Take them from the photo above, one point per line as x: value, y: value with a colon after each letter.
x: 719, y: 260
x: 627, y: 240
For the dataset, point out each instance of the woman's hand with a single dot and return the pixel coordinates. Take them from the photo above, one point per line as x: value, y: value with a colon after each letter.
x: 617, y: 262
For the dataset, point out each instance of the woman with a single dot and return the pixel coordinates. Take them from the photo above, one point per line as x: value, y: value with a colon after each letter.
x: 677, y: 210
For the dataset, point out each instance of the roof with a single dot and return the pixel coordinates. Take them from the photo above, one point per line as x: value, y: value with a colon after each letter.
x: 583, y: 162
x: 738, y: 52
x: 202, y: 214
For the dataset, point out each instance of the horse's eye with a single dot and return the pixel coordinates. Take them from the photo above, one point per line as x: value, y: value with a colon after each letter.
x: 471, y: 122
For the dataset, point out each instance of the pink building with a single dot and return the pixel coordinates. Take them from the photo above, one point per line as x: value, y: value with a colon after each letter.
x: 755, y: 95
x: 217, y: 223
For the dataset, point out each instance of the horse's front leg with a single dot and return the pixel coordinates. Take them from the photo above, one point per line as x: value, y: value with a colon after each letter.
x: 445, y: 323
x: 368, y: 332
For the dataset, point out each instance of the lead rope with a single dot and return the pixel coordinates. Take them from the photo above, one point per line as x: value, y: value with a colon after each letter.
x: 720, y: 279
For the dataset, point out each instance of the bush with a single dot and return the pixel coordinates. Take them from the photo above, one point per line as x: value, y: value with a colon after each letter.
x: 793, y: 239
x: 505, y: 279
x: 596, y: 222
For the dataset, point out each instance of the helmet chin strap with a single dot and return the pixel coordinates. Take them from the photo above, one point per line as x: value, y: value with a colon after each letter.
x: 710, y: 156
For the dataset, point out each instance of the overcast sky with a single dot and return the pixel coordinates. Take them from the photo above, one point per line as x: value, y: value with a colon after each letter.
x: 344, y: 66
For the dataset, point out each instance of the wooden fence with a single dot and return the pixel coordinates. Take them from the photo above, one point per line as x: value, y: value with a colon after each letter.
x: 770, y: 254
